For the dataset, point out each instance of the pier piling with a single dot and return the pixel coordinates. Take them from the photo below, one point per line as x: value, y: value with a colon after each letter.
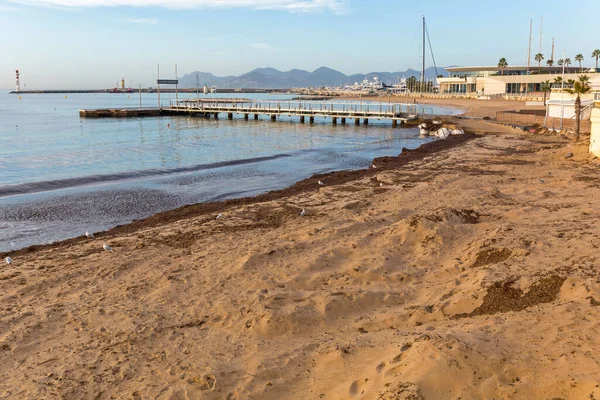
x: 273, y: 117
x: 343, y: 121
x: 245, y: 117
x: 394, y: 123
x: 366, y: 121
x: 334, y: 120
x: 229, y: 116
x: 256, y: 117
x: 302, y: 119
x: 312, y: 120
x: 216, y: 115
x: 357, y: 121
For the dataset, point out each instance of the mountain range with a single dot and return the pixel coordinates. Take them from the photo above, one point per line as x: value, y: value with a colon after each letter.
x: 271, y: 78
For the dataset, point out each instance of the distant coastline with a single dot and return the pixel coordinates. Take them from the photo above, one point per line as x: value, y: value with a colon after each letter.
x: 169, y: 90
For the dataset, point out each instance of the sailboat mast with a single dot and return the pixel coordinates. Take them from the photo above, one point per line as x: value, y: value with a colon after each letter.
x: 423, y: 68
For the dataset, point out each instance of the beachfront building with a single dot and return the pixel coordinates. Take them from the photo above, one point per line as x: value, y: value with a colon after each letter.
x: 490, y: 81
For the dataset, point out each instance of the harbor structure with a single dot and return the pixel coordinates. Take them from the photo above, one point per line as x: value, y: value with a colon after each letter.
x: 304, y: 110
x: 18, y: 82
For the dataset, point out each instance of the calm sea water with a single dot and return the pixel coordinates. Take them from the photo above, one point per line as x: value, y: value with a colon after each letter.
x: 61, y: 175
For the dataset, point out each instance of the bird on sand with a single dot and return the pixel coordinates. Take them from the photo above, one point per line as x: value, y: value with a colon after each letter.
x: 8, y: 260
x: 320, y: 183
x: 107, y: 247
x: 373, y: 166
x: 380, y: 184
x: 219, y: 216
x: 303, y: 212
x: 88, y: 234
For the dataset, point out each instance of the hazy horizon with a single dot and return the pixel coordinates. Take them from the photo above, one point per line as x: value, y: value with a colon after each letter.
x: 92, y: 44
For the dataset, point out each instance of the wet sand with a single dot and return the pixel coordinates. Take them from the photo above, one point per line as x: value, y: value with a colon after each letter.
x: 463, y: 269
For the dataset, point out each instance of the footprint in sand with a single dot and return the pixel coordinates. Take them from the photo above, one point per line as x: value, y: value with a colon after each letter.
x: 358, y: 387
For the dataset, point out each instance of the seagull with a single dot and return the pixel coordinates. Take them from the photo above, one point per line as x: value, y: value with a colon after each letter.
x: 541, y: 180
x: 320, y: 183
x: 107, y: 247
x: 373, y: 166
x: 8, y: 260
x: 219, y: 216
x: 380, y: 184
x: 90, y: 235
x: 303, y: 212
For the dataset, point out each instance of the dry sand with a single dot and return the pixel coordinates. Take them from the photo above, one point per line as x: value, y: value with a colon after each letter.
x: 471, y: 273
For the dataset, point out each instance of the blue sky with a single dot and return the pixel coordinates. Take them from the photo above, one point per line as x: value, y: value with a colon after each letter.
x: 93, y: 43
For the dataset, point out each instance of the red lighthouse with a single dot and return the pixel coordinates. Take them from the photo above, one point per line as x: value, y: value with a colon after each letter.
x: 18, y: 83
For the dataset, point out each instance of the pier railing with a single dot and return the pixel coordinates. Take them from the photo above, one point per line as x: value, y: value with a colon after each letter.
x: 304, y: 108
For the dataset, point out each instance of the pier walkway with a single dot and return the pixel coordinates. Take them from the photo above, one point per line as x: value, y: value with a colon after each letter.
x: 341, y: 111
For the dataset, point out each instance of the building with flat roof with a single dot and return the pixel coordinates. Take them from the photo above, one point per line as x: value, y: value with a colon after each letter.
x: 510, y: 80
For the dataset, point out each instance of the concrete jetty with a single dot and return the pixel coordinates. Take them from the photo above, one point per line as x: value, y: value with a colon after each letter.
x: 341, y: 112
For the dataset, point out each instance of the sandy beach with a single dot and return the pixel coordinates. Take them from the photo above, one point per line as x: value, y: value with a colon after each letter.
x: 463, y: 269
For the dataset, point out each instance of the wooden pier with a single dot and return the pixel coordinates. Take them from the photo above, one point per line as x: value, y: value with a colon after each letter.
x: 306, y: 111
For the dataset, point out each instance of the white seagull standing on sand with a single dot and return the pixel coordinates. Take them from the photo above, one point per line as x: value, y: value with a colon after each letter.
x: 8, y: 260
x: 107, y: 247
x: 90, y: 235
x: 219, y: 216
x: 303, y: 212
x: 320, y: 183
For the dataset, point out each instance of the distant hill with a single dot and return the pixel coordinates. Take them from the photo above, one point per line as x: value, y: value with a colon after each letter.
x: 266, y: 78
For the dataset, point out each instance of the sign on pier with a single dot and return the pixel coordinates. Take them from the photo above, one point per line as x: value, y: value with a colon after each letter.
x: 167, y: 81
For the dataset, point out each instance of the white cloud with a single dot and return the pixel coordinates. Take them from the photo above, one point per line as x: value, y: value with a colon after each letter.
x: 9, y: 8
x: 263, y: 46
x: 336, y: 6
x: 150, y: 21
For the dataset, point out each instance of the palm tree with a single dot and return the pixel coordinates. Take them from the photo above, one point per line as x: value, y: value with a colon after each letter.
x: 546, y: 87
x: 582, y: 86
x: 567, y: 62
x: 579, y: 59
x: 558, y: 80
x: 596, y: 54
x: 502, y: 64
x: 550, y: 63
x: 539, y: 57
x: 561, y: 62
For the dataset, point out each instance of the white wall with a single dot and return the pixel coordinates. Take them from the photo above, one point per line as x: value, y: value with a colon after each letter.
x: 595, y: 133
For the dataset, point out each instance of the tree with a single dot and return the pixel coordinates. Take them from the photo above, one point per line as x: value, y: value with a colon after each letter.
x: 561, y: 62
x: 502, y: 64
x: 558, y: 80
x: 539, y: 57
x: 550, y: 63
x: 546, y: 87
x: 596, y: 55
x: 579, y: 59
x: 581, y: 86
x: 567, y: 62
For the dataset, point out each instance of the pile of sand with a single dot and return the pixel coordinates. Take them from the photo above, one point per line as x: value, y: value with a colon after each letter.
x: 468, y: 272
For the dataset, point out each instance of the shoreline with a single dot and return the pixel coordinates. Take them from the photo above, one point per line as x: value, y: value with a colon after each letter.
x: 308, y: 184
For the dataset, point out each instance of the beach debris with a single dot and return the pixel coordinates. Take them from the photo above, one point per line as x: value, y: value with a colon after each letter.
x: 303, y: 212
x: 8, y: 260
x: 440, y: 129
x: 219, y: 216
x: 541, y: 180
x: 569, y: 155
x: 320, y: 183
x: 88, y: 234
x: 373, y: 166
x: 380, y: 184
x: 107, y: 247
